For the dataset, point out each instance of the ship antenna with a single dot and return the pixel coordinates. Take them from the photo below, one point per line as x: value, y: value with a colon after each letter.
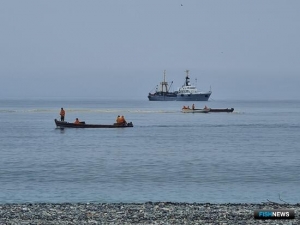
x: 165, y: 80
x: 162, y: 85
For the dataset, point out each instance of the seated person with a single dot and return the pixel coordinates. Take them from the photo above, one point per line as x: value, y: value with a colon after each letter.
x: 77, y: 121
x: 122, y: 120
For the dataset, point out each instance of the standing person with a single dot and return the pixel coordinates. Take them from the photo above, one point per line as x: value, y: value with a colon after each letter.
x: 118, y: 119
x: 62, y: 114
x: 193, y: 106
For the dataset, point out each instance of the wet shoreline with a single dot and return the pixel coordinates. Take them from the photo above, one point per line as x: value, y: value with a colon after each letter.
x: 135, y: 213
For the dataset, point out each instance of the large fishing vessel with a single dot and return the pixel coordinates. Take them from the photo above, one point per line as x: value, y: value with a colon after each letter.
x: 187, y: 92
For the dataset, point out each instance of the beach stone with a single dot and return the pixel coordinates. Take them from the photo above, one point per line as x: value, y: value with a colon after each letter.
x: 139, y: 213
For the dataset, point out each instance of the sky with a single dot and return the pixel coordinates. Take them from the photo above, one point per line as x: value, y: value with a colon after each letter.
x: 246, y: 49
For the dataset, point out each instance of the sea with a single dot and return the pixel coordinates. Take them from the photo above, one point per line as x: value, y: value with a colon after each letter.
x: 248, y: 156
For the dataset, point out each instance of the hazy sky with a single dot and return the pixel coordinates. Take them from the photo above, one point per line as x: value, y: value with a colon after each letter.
x: 242, y: 49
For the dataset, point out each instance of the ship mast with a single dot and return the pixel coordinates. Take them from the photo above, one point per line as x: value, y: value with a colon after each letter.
x: 187, y: 82
x: 164, y: 83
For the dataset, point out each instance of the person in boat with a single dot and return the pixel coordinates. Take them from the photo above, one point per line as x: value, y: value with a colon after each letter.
x: 193, y: 106
x: 184, y: 107
x: 122, y: 120
x: 205, y: 107
x: 188, y: 107
x: 77, y: 121
x: 62, y: 114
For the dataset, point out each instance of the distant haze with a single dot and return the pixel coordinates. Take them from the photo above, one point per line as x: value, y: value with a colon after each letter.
x: 241, y: 49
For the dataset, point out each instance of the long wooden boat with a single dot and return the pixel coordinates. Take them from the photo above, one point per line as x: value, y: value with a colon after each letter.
x: 206, y: 110
x: 62, y: 124
x: 195, y: 110
x: 222, y: 110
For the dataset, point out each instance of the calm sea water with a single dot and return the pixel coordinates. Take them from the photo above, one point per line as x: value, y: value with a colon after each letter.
x: 250, y: 155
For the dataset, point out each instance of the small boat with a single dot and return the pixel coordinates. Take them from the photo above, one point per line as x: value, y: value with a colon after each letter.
x: 221, y: 110
x: 206, y: 110
x: 195, y: 110
x: 62, y: 124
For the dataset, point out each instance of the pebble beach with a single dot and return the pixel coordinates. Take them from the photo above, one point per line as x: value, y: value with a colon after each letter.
x: 134, y: 213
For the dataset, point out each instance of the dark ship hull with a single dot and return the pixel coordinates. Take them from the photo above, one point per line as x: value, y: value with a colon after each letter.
x: 179, y: 97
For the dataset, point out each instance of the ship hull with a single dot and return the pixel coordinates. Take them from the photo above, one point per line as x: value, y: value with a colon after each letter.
x: 180, y: 97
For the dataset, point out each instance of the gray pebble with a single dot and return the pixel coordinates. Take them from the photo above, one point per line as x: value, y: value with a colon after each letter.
x: 134, y: 213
